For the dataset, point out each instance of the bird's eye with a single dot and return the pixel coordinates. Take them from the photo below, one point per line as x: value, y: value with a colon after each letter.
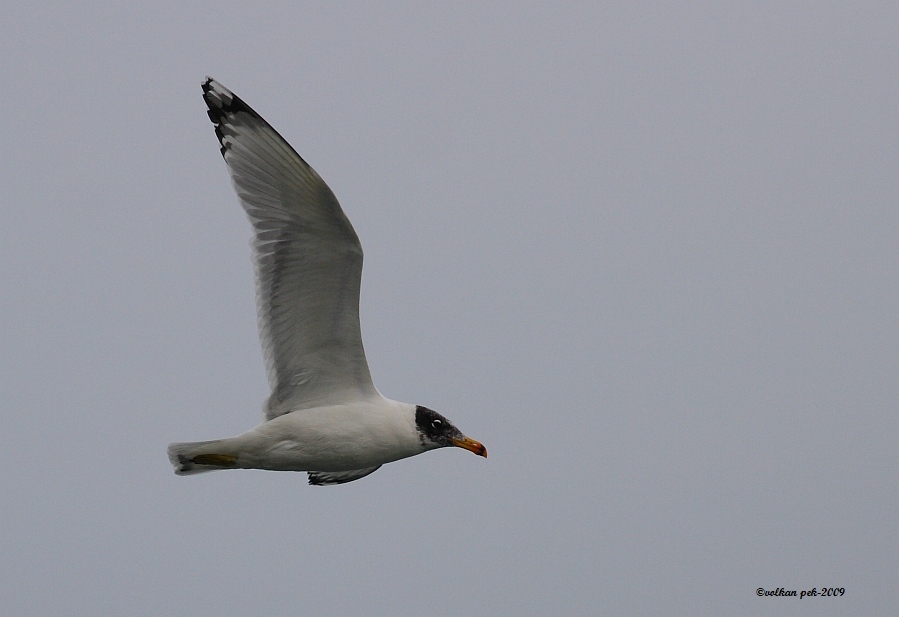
x: 436, y: 424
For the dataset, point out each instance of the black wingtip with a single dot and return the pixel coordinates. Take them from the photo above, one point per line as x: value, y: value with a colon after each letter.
x: 223, y: 106
x: 223, y: 103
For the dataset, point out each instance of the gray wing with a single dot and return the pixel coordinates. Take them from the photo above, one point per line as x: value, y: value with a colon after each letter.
x: 328, y: 478
x: 308, y: 263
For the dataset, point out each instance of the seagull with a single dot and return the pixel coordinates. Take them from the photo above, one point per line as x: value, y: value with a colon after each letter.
x: 324, y: 415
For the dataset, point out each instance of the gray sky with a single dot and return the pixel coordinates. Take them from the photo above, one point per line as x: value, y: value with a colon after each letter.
x: 645, y: 253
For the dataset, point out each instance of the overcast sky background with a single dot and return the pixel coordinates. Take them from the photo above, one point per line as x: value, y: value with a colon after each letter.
x: 646, y: 253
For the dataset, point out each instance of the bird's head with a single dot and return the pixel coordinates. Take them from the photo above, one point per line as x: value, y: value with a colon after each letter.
x: 435, y: 431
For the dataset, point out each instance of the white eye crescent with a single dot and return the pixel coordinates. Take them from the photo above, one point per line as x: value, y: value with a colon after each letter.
x: 436, y: 423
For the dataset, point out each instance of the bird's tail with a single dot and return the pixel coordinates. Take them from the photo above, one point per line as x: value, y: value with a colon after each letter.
x: 198, y: 456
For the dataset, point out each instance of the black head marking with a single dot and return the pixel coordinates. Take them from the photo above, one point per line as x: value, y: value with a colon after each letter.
x: 434, y: 429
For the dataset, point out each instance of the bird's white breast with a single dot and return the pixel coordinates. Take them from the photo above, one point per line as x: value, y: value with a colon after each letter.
x: 334, y: 438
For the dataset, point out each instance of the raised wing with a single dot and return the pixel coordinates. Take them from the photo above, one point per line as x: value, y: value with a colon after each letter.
x: 308, y: 263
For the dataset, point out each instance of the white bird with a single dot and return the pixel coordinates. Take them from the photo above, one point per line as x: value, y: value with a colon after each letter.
x: 324, y: 415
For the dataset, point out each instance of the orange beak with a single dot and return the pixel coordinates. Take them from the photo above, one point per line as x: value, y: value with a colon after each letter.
x: 471, y: 445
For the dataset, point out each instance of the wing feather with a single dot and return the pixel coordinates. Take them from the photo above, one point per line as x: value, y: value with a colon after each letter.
x: 308, y: 263
x: 328, y: 478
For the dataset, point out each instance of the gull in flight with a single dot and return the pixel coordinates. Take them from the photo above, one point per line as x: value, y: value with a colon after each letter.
x: 324, y: 415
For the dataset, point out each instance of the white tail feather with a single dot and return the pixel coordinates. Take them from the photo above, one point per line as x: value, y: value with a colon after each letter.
x: 183, y: 455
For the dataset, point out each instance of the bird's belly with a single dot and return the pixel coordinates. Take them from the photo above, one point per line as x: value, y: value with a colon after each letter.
x: 308, y: 441
x: 293, y: 456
